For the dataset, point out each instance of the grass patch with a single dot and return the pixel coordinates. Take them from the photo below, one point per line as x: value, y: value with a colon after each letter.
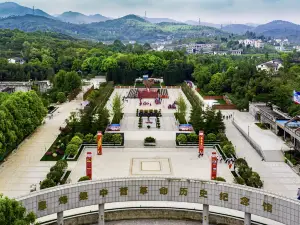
x: 221, y: 101
x: 261, y: 126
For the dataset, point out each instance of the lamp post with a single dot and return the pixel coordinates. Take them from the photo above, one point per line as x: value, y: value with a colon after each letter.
x: 248, y: 130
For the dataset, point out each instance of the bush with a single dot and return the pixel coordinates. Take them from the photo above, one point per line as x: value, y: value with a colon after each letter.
x: 80, y: 135
x: 61, y: 97
x: 228, y: 150
x: 117, y: 138
x: 240, y: 162
x: 55, y: 175
x: 211, y: 93
x: 76, y: 141
x: 192, y: 137
x: 220, y: 179
x: 211, y: 137
x: 72, y: 149
x: 61, y: 164
x: 150, y: 140
x: 89, y: 138
x: 239, y: 180
x: 107, y: 137
x: 47, y: 183
x: 222, y: 137
x: 148, y: 126
x: 84, y: 178
x: 181, y: 138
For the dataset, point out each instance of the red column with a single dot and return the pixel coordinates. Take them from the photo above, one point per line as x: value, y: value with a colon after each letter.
x: 99, y: 143
x: 214, y: 165
x: 201, y: 141
x: 89, y: 165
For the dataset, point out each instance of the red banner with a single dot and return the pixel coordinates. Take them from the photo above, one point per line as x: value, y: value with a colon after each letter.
x: 201, y: 141
x: 99, y: 143
x: 89, y: 157
x: 214, y: 165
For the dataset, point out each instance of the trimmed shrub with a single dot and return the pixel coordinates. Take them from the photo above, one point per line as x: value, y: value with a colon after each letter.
x: 240, y: 162
x: 228, y: 150
x: 76, y: 141
x: 239, y: 180
x: 80, y: 135
x: 211, y: 137
x: 108, y: 137
x: 222, y: 137
x: 89, y: 138
x: 220, y: 179
x: 61, y: 164
x: 55, y: 175
x: 84, y: 178
x: 150, y: 140
x: 72, y: 149
x: 47, y: 183
x: 181, y: 138
x: 117, y: 138
x: 192, y: 137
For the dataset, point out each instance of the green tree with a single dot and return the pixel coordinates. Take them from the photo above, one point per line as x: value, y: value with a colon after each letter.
x: 117, y: 108
x: 61, y: 97
x: 13, y: 213
x: 182, y: 106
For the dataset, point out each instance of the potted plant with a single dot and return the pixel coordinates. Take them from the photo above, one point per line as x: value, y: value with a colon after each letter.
x: 149, y: 141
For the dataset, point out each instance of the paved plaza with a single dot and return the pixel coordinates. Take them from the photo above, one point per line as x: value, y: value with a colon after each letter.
x: 127, y: 162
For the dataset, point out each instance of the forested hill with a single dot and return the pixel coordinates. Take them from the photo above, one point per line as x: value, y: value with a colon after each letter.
x: 130, y: 27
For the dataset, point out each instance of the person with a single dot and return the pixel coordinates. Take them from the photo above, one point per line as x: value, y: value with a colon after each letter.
x: 298, y: 194
x: 199, y: 155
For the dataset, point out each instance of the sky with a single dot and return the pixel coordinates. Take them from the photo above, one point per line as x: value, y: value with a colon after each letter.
x: 216, y: 11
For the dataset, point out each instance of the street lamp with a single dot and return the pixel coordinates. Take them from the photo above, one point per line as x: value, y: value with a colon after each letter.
x: 248, y: 130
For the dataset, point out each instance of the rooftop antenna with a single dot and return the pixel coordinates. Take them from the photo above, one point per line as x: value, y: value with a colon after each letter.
x: 33, y: 10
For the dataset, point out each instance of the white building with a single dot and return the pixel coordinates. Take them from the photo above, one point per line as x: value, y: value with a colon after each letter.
x: 16, y: 60
x: 236, y: 52
x: 271, y: 66
x: 196, y: 48
x: 252, y: 43
x: 259, y: 44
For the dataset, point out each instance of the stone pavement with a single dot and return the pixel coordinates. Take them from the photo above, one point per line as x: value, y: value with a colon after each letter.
x: 278, y: 177
x: 23, y: 167
x: 178, y: 162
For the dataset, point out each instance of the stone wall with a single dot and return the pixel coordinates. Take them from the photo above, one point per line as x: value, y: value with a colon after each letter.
x: 232, y: 196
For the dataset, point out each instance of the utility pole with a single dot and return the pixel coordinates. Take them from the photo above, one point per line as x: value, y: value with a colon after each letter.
x: 145, y: 14
x: 199, y: 22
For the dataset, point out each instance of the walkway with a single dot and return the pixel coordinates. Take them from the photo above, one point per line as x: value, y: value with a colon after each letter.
x: 24, y: 168
x: 277, y: 177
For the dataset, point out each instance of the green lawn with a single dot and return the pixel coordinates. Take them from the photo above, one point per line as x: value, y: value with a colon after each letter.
x: 221, y: 102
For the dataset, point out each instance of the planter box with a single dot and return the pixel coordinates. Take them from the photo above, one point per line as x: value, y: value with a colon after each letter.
x: 111, y: 144
x: 149, y: 144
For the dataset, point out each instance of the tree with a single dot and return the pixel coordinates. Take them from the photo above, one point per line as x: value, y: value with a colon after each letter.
x: 61, y: 97
x: 117, y: 108
x: 13, y: 213
x: 182, y: 106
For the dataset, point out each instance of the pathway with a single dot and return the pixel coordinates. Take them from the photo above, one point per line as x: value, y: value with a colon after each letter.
x: 24, y: 168
x: 278, y: 177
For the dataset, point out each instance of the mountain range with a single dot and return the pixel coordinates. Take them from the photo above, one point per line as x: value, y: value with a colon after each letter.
x: 131, y: 27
